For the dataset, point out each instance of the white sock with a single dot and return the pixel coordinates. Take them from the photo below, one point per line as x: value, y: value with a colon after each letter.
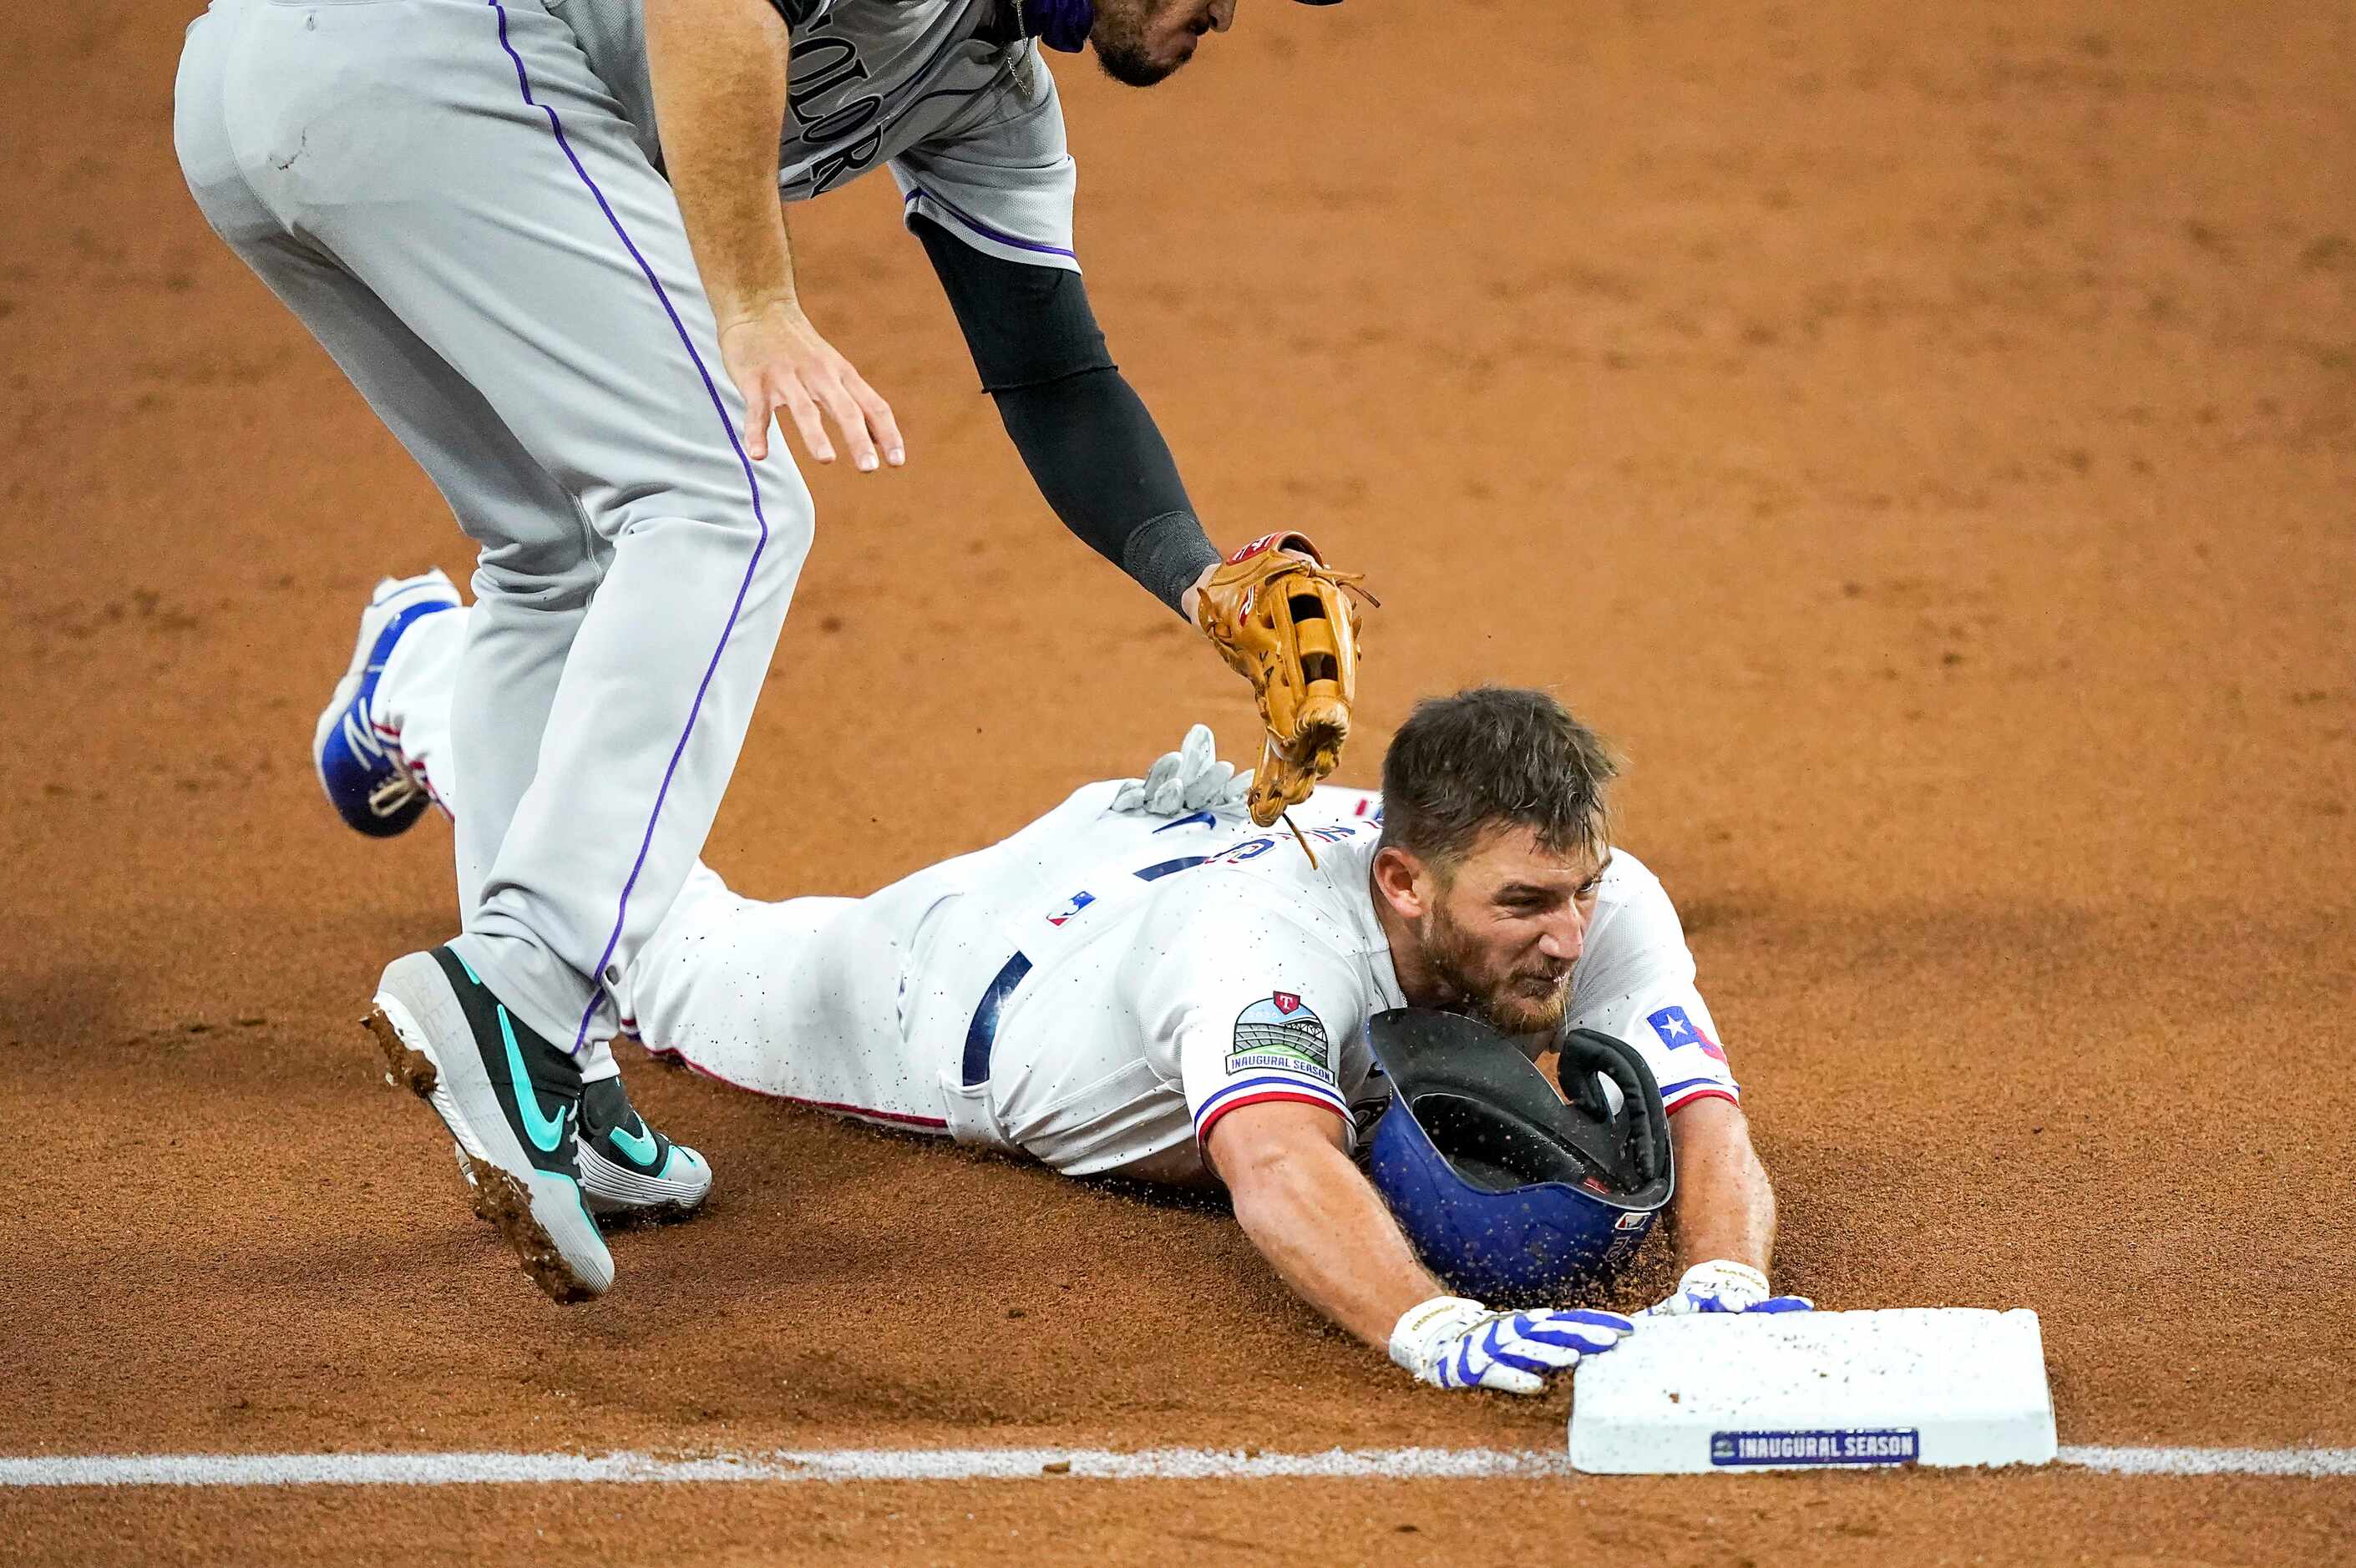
x: 413, y: 699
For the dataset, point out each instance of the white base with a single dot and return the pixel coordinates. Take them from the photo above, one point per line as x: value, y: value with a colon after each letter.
x: 1791, y: 1390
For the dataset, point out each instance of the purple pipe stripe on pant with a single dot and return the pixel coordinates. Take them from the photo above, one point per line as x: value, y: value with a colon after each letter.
x: 622, y: 910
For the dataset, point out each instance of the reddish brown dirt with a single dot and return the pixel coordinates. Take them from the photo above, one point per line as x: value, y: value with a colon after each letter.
x: 1926, y: 442
x: 1868, y: 1521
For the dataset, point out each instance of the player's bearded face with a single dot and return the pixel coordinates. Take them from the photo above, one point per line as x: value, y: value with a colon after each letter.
x: 1140, y: 42
x: 1506, y: 930
x: 1515, y: 994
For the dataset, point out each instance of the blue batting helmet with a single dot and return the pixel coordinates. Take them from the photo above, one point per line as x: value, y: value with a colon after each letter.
x: 1507, y: 1189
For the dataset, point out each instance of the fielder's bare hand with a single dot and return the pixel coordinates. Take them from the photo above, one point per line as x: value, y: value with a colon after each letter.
x: 787, y: 371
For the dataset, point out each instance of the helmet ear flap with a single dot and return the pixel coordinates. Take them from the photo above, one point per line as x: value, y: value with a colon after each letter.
x: 1582, y: 1086
x: 1580, y: 1055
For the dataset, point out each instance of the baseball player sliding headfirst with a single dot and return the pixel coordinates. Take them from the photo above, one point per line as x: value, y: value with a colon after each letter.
x: 1143, y: 983
x: 544, y: 239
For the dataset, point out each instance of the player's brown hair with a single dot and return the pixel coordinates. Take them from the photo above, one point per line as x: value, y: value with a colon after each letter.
x: 1496, y: 756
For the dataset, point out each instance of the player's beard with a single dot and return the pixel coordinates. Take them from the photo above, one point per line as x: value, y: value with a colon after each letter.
x: 1122, y: 39
x: 1511, y: 1001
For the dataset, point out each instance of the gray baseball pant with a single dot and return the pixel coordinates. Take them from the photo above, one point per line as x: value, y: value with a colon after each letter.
x: 450, y: 200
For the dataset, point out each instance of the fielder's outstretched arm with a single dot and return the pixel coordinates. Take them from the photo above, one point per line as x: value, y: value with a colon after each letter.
x: 1090, y: 444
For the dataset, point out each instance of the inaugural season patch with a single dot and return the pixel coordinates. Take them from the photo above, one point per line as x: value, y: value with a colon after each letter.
x: 1279, y: 1033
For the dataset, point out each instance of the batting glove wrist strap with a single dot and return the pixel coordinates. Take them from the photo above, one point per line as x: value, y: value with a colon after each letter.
x: 1729, y: 1281
x: 1723, y: 1285
x: 1422, y: 1330
x: 1451, y: 1342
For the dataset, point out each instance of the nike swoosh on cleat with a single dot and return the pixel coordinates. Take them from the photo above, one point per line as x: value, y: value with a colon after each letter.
x: 639, y: 1147
x: 546, y: 1133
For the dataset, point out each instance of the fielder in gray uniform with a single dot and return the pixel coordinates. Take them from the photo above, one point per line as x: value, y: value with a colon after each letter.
x: 543, y: 238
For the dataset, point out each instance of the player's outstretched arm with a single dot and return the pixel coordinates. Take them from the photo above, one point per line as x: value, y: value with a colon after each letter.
x: 1725, y: 1206
x: 1324, y: 1230
x: 1723, y: 1215
x: 1092, y: 448
x: 1318, y: 1222
x: 1274, y: 611
x: 719, y: 73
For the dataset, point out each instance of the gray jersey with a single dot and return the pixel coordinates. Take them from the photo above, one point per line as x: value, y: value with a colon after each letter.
x: 965, y: 116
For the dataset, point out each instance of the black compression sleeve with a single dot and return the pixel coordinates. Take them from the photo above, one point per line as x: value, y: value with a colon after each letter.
x: 1092, y: 446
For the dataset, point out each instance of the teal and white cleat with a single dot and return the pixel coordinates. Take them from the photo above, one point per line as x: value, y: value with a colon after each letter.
x: 627, y: 1168
x: 511, y: 1100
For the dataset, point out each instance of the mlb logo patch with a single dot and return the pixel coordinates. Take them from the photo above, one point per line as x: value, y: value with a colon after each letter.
x: 1079, y: 902
x: 1677, y: 1029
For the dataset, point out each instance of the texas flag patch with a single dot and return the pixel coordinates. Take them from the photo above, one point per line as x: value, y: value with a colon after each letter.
x: 1676, y: 1029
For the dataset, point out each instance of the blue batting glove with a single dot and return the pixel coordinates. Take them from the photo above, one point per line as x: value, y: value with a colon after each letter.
x: 1451, y: 1342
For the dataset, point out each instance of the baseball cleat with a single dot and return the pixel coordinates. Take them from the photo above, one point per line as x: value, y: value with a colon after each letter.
x: 360, y: 763
x: 510, y: 1100
x: 628, y: 1170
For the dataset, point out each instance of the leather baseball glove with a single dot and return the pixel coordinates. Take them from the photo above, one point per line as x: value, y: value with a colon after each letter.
x: 1281, y: 619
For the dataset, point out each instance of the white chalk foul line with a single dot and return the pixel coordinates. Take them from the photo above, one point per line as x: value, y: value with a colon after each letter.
x: 783, y: 1465
x: 974, y: 1465
x: 2302, y: 1462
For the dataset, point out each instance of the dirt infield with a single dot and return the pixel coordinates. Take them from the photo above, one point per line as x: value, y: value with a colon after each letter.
x: 1925, y: 444
x: 1839, y: 1520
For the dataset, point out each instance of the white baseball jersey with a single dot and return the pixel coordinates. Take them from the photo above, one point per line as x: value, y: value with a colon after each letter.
x: 1099, y: 991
